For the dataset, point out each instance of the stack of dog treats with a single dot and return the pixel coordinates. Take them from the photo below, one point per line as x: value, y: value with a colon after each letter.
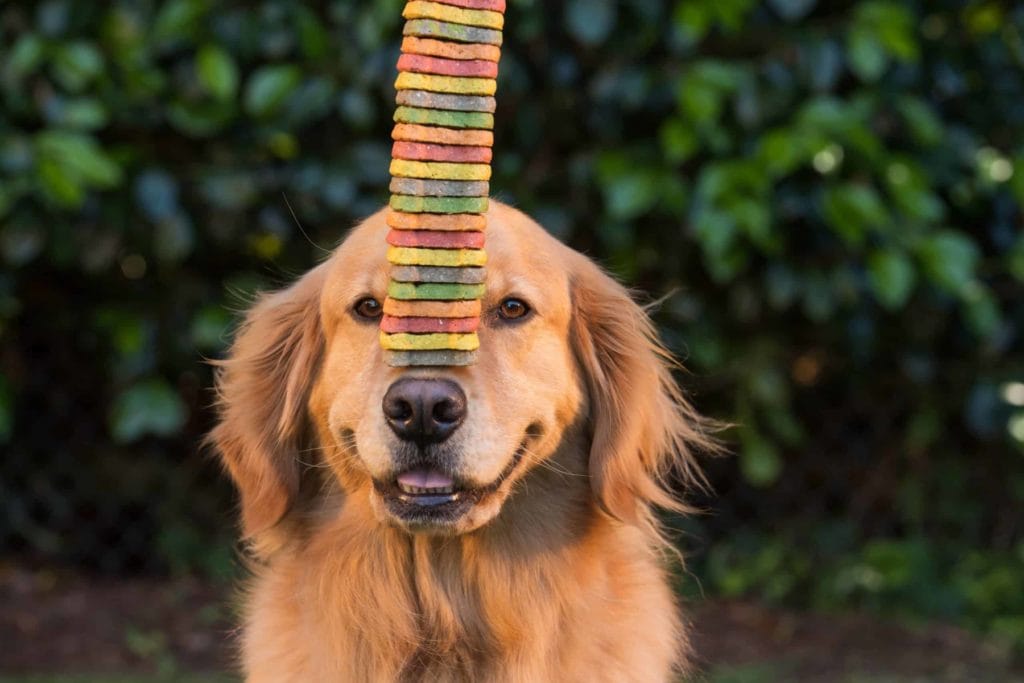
x: 440, y: 172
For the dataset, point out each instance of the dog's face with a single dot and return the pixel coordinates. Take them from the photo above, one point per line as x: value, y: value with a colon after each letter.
x: 567, y: 361
x: 439, y: 449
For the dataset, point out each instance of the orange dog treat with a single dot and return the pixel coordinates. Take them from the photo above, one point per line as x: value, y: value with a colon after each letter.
x: 432, y: 309
x: 431, y: 221
x: 441, y: 48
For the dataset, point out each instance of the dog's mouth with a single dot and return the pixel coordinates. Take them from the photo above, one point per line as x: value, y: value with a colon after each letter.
x: 428, y: 496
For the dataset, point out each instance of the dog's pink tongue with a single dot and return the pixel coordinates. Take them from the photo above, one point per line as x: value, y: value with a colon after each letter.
x: 425, y: 479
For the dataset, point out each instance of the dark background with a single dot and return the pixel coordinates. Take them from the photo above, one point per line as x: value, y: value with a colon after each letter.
x: 827, y: 193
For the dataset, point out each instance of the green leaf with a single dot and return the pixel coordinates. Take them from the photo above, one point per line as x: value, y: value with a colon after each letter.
x: 313, y: 37
x: 24, y: 57
x: 631, y: 193
x: 866, y: 54
x: 179, y: 19
x: 678, y: 140
x: 217, y: 71
x: 86, y: 113
x: 76, y: 64
x: 852, y: 210
x: 81, y: 158
x: 151, y: 407
x: 590, y: 21
x: 949, y: 259
x: 759, y: 459
x: 268, y: 88
x: 891, y: 276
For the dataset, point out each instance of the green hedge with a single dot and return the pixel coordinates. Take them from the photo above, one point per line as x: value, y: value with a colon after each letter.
x: 830, y: 192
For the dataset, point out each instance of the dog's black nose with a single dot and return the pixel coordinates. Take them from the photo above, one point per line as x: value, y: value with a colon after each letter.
x: 424, y: 411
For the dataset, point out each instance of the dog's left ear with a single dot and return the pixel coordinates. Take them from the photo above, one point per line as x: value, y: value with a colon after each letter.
x: 642, y: 428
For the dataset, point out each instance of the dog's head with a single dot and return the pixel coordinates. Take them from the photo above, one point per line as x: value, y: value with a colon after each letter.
x: 568, y: 363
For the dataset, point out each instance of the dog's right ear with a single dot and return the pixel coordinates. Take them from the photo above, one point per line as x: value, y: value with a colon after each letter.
x: 263, y: 389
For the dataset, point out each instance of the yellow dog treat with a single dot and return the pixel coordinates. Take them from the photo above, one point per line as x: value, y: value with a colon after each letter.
x: 418, y: 9
x: 430, y: 342
x: 457, y: 85
x: 448, y: 258
x: 436, y: 170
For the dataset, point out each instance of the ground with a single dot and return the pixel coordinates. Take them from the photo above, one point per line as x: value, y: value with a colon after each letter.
x: 129, y: 631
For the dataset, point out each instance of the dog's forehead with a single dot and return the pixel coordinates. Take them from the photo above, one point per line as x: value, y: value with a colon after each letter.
x: 519, y: 251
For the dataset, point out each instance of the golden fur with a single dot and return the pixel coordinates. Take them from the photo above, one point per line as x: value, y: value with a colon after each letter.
x: 557, y: 576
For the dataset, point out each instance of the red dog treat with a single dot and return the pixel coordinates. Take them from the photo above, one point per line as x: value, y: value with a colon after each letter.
x: 493, y: 5
x: 448, y: 67
x: 429, y: 239
x: 395, y: 325
x: 424, y: 151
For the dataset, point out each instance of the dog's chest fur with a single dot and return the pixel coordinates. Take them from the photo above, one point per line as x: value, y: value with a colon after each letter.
x: 456, y: 610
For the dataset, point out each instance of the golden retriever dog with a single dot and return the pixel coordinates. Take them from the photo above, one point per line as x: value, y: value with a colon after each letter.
x: 488, y: 523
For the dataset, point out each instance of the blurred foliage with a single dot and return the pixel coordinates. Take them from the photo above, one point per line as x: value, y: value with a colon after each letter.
x: 833, y: 190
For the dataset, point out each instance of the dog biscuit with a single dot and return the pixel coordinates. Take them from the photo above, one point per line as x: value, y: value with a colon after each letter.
x: 474, y: 68
x: 427, y: 221
x: 422, y: 9
x: 434, y: 291
x: 432, y: 309
x: 462, y: 276
x: 424, y: 99
x: 406, y: 359
x: 440, y: 188
x: 449, y: 258
x: 393, y: 325
x: 420, y: 151
x: 442, y: 136
x: 451, y: 205
x: 454, y: 85
x: 440, y: 117
x: 431, y: 28
x: 448, y: 50
x: 436, y: 240
x: 430, y: 170
x: 430, y: 342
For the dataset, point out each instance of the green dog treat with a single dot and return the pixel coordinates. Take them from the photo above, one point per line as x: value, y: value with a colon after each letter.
x: 411, y: 204
x: 440, y: 188
x: 425, y: 99
x: 448, y: 119
x: 406, y: 359
x: 463, y: 276
x: 431, y: 291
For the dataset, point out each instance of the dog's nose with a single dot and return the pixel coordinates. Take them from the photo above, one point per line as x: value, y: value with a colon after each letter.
x: 424, y: 411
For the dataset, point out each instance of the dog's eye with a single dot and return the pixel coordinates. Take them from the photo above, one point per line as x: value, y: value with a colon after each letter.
x: 513, y: 309
x: 368, y: 308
